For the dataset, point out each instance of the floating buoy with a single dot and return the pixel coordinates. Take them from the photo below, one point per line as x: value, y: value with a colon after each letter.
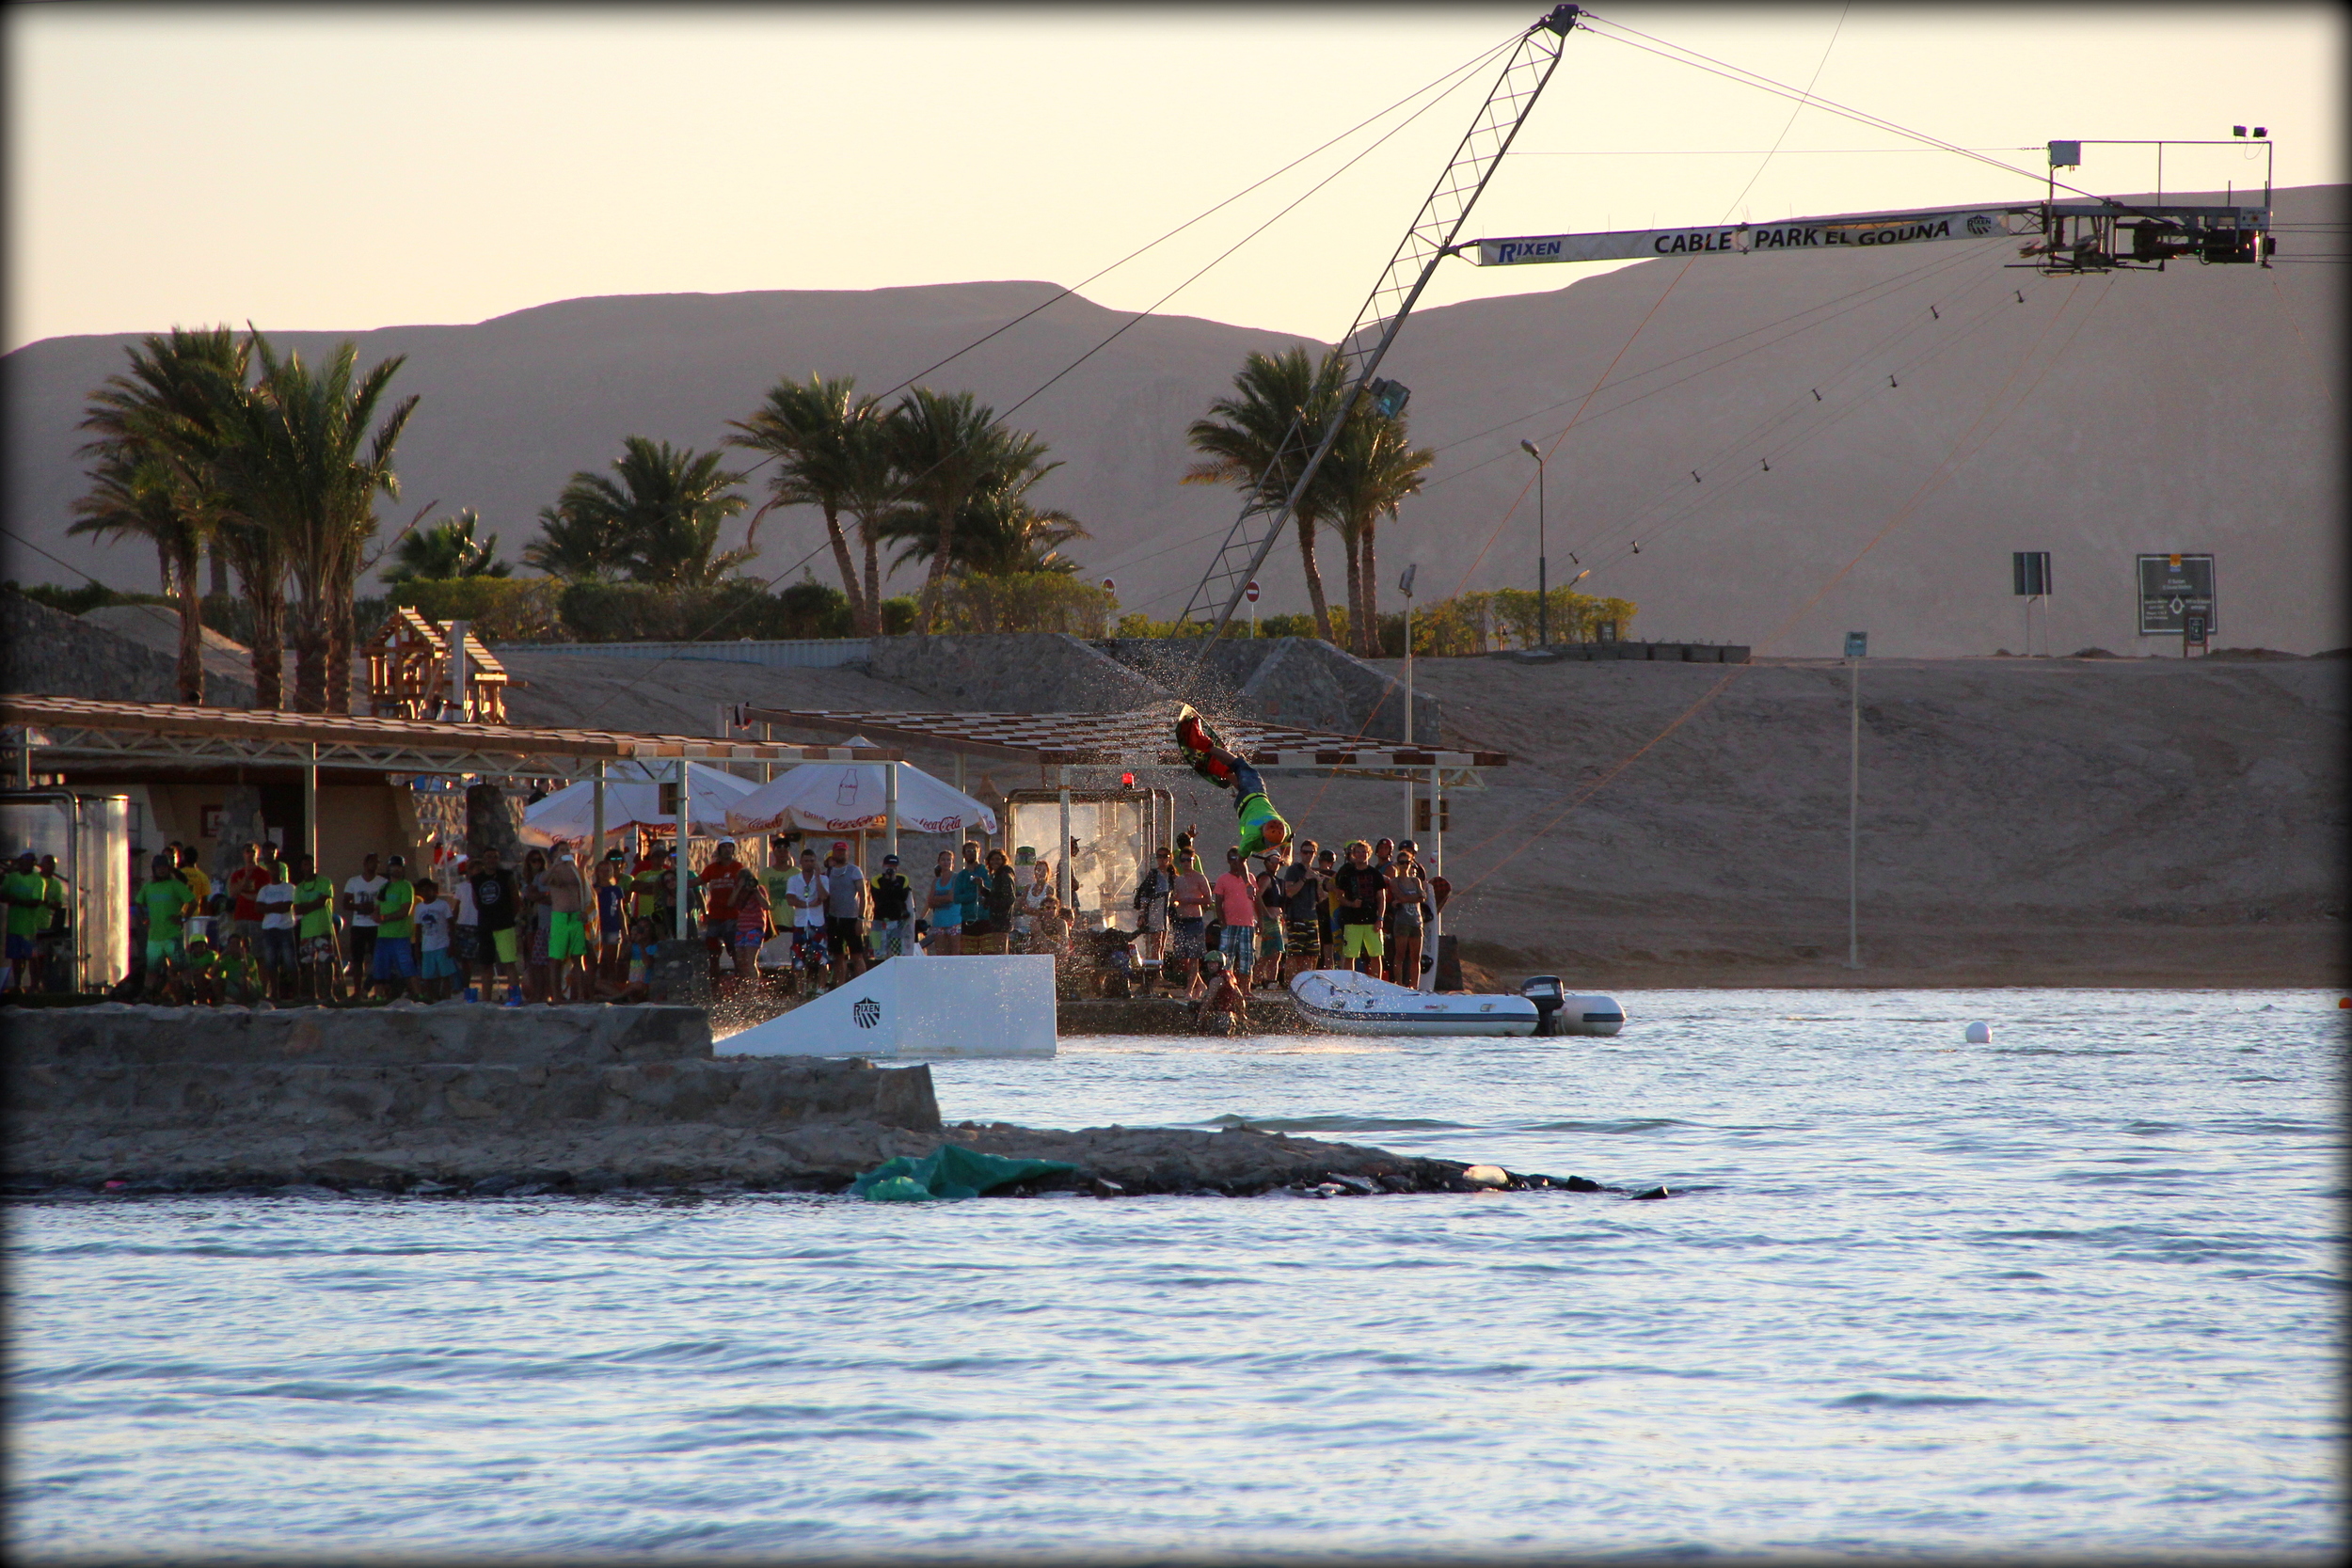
x: 2343, y: 1001
x: 1979, y: 1033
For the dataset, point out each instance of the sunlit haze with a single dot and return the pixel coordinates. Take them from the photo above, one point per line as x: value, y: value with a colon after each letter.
x: 354, y: 168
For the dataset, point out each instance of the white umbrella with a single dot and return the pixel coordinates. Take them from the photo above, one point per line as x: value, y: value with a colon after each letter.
x: 851, y: 796
x: 633, y: 800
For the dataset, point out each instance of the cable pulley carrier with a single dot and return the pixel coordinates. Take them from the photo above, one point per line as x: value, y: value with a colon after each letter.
x: 1434, y: 236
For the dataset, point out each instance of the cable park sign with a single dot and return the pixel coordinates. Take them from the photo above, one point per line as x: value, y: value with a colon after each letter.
x: 2059, y: 236
x: 1874, y: 228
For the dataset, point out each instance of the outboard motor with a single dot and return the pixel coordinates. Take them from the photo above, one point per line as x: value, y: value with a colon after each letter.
x: 1548, y: 994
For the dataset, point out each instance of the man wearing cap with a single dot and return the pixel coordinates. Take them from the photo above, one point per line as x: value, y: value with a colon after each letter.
x: 719, y: 903
x: 395, y: 962
x: 893, y: 910
x: 846, y: 910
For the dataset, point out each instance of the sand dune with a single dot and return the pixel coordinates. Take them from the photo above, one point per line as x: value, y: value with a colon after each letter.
x: 2191, y: 410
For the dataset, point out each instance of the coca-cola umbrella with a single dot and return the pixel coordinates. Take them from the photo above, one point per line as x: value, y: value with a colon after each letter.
x: 632, y: 800
x: 854, y: 796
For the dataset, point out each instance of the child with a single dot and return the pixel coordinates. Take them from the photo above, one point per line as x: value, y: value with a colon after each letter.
x: 436, y: 919
x: 636, y: 987
x: 238, y: 976
x: 201, y: 974
x: 1113, y: 961
x: 751, y: 925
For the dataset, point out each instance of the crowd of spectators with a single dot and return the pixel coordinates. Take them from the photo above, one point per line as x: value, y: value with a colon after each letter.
x: 1267, y: 918
x: 549, y: 930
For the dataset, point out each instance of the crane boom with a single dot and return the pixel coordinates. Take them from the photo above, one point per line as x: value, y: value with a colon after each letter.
x: 1434, y: 234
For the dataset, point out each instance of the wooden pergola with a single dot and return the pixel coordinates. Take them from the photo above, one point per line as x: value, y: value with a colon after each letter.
x: 48, y: 733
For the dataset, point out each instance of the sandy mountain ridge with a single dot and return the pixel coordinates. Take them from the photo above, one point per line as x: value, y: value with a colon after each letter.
x: 2095, y: 419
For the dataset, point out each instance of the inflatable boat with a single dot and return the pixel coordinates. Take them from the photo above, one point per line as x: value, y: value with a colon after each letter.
x: 1352, y: 1004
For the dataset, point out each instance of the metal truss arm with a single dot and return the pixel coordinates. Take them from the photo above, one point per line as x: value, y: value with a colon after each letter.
x: 1434, y: 235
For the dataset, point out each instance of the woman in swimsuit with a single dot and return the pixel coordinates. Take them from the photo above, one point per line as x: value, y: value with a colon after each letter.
x: 1408, y: 886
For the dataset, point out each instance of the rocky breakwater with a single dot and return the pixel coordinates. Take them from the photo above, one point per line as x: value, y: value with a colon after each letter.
x: 458, y: 1099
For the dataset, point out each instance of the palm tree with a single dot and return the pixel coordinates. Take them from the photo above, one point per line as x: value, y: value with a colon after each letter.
x: 1243, y: 432
x: 830, y: 452
x: 997, y: 533
x: 945, y: 446
x: 161, y: 434
x: 1369, y: 470
x: 307, y: 469
x: 661, y: 521
x: 448, y: 549
x: 131, y: 495
x: 576, y: 546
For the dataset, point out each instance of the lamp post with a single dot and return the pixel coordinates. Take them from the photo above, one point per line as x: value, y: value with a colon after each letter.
x: 1543, y: 599
x: 1405, y: 586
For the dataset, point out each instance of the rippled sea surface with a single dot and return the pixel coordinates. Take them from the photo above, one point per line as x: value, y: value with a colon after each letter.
x: 2077, y: 1291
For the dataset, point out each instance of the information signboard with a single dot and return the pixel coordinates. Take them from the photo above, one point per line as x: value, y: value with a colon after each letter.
x: 2171, y: 589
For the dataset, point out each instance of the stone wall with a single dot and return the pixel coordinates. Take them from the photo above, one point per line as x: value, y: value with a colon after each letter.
x: 232, y: 1070
x: 49, y: 652
x: 1013, y: 672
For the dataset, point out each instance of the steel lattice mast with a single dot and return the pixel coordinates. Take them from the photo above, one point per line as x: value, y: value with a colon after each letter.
x: 1434, y: 235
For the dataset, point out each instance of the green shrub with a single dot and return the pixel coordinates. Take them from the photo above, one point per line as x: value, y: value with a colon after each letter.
x: 899, y: 615
x: 1026, y: 601
x: 501, y: 609
x: 80, y: 601
x: 598, y: 612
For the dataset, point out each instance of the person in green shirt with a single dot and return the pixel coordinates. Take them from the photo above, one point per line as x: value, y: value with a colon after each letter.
x: 395, y: 953
x: 1261, y: 827
x: 55, y: 941
x: 238, y: 974
x: 200, y: 972
x: 314, y: 930
x: 166, y: 900
x: 26, y: 894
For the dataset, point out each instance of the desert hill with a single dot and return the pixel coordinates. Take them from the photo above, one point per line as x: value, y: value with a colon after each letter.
x: 2095, y: 419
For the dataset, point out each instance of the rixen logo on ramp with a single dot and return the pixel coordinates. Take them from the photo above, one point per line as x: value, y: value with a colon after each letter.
x: 866, y: 1012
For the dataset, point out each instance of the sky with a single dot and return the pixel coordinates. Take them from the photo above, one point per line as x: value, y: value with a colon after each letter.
x: 349, y: 167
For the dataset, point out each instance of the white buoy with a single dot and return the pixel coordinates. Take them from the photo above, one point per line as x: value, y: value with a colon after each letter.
x: 1979, y: 1033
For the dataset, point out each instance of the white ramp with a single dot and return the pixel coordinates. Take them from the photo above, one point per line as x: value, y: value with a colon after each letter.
x: 975, y: 1005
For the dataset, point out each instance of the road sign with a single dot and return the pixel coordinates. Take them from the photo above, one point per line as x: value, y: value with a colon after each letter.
x: 2172, y: 588
x: 1857, y: 644
x: 2029, y: 572
x: 1250, y: 593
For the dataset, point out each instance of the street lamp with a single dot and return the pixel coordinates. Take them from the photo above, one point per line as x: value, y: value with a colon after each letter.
x: 1543, y: 600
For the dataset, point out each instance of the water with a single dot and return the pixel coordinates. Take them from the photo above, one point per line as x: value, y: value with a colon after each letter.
x: 2078, y: 1290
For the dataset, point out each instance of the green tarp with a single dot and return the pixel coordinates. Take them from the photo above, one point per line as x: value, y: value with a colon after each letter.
x: 951, y: 1171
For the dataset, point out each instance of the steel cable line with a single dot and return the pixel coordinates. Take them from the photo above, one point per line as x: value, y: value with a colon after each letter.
x: 1634, y: 336
x: 1953, y: 460
x: 1729, y: 360
x: 1684, y: 54
x: 1461, y: 74
x: 1893, y: 284
x: 1202, y: 216
x: 1612, y: 556
x: 1311, y: 192
x: 1797, y: 404
x: 1467, y: 66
